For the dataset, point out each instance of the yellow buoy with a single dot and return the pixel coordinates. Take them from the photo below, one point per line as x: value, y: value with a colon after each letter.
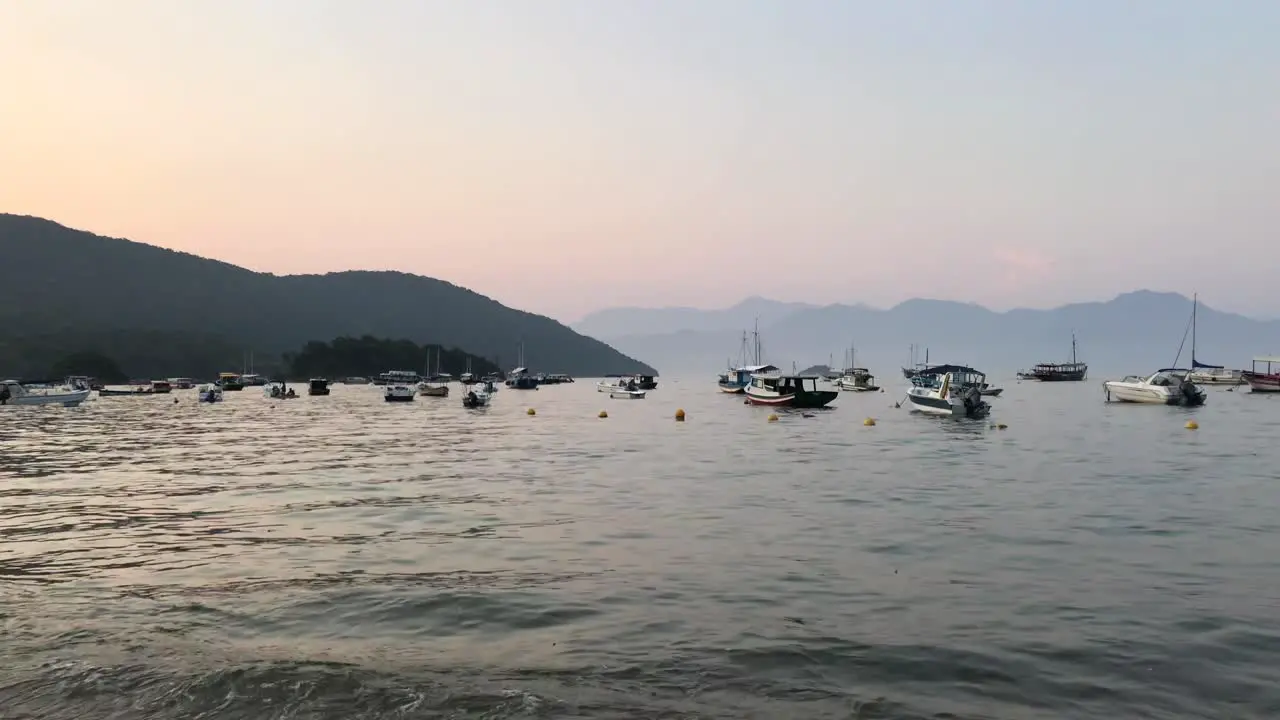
x: 773, y: 417
x: 604, y: 414
x: 679, y: 415
x: 531, y: 411
x: 869, y: 422
x: 1192, y: 425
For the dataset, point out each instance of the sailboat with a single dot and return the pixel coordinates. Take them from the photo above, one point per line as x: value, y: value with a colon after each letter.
x: 434, y: 387
x: 856, y: 379
x: 1203, y: 373
x: 520, y: 378
x: 916, y: 367
x: 736, y: 379
x: 1167, y: 386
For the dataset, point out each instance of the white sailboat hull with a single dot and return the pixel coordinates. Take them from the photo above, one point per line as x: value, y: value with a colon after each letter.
x: 1144, y: 391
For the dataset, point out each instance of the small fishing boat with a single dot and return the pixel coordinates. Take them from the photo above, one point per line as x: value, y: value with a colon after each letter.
x: 1267, y: 381
x: 181, y: 383
x: 135, y: 391
x: 953, y: 396
x: 797, y: 391
x: 623, y: 394
x: 610, y: 383
x: 209, y: 393
x: 645, y: 382
x: 15, y: 393
x: 398, y: 393
x: 318, y: 386
x: 1169, y: 386
x: 278, y: 391
x: 433, y: 389
x: 230, y: 382
x: 478, y: 395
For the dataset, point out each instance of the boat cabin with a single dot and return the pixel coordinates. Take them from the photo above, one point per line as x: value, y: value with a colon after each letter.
x: 319, y: 384
x: 785, y: 384
x: 160, y: 386
x: 960, y: 376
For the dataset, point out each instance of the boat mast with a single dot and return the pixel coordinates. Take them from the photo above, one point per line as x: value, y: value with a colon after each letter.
x: 1194, y: 306
x: 1073, y: 347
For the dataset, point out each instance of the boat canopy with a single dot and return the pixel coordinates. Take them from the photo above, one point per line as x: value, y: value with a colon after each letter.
x: 1268, y: 359
x: 758, y: 368
x: 954, y: 369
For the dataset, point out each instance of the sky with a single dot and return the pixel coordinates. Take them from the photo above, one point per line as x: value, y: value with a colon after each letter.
x: 563, y: 156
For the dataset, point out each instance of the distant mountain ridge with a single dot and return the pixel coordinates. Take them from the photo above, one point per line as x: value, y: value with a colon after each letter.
x: 1130, y: 333
x: 62, y: 285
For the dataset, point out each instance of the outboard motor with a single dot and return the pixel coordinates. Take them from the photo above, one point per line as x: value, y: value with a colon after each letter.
x: 972, y: 400
x: 1189, y: 394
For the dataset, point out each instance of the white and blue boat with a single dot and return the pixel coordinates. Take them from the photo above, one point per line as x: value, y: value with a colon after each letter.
x: 736, y: 380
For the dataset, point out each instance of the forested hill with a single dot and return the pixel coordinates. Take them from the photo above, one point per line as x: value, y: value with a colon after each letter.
x: 60, y: 283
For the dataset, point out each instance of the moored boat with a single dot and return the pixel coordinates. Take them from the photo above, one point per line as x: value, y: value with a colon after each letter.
x: 610, y: 383
x: 278, y: 390
x: 1073, y: 371
x: 398, y: 393
x: 1204, y: 373
x: 961, y: 376
x: 645, y: 382
x: 209, y: 393
x: 181, y: 383
x: 857, y: 380
x: 15, y: 393
x: 797, y: 391
x: 623, y: 394
x: 1267, y: 381
x: 433, y: 389
x: 1169, y: 386
x: 230, y: 382
x: 318, y: 386
x: 478, y: 395
x: 953, y: 396
x: 736, y: 380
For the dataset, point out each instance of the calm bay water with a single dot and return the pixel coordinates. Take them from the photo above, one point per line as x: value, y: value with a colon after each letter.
x: 349, y: 558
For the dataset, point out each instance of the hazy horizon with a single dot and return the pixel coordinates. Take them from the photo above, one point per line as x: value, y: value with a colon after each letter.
x: 569, y: 156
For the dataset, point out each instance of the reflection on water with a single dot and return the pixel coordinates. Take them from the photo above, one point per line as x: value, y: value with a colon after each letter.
x: 344, y: 557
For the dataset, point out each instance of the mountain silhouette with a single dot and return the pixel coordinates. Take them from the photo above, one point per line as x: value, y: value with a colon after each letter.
x: 66, y: 290
x: 1135, y: 332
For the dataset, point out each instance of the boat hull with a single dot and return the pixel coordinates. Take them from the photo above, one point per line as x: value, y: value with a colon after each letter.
x: 1146, y: 395
x: 1262, y: 383
x: 318, y: 391
x: 851, y: 387
x: 808, y: 399
x: 733, y: 389
x: 107, y: 392
x: 66, y: 399
x: 627, y: 394
x: 926, y: 402
x: 440, y: 391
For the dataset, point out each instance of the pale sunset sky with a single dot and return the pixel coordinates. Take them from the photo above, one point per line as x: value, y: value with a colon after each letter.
x: 567, y: 155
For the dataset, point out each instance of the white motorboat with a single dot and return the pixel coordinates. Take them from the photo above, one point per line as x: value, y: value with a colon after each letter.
x: 1163, y: 387
x: 209, y: 393
x: 616, y: 383
x: 949, y: 397
x: 627, y: 394
x: 13, y: 392
x: 478, y: 395
x: 398, y: 393
x: 857, y: 380
x: 1204, y: 373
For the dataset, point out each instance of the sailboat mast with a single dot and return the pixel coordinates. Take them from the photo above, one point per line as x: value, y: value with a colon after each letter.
x: 1194, y: 308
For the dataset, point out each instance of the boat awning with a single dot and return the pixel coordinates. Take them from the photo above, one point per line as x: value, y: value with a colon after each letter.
x: 955, y: 369
x: 1196, y: 364
x: 758, y: 368
x: 1268, y: 359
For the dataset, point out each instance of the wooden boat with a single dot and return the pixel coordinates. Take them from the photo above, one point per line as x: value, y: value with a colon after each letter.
x: 1267, y: 381
x: 798, y: 391
x: 230, y: 382
x: 1073, y: 371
